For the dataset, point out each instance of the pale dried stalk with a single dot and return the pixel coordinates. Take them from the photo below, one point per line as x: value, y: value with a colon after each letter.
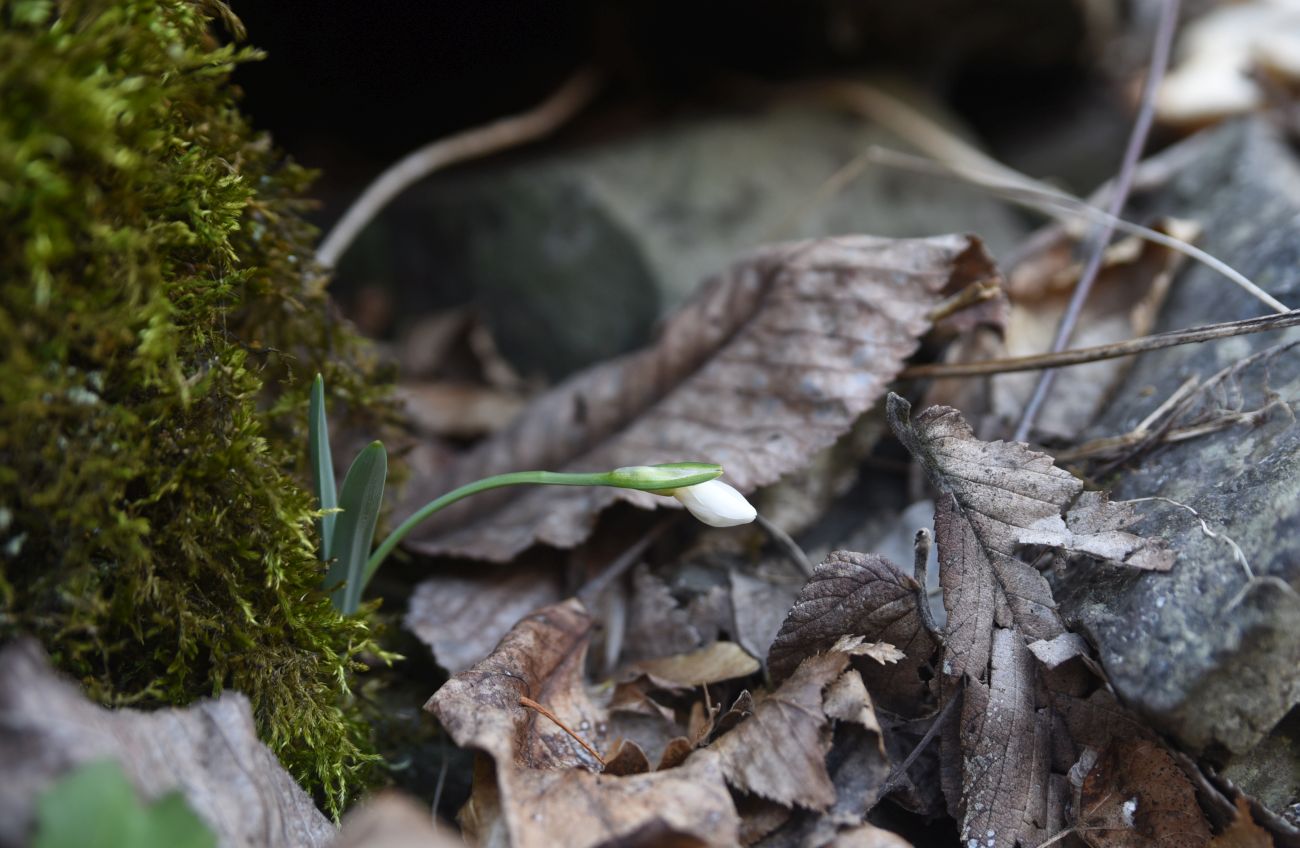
x: 536, y: 123
x: 1082, y: 355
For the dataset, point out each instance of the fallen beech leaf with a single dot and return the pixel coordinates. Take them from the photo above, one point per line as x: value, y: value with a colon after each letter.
x: 1135, y: 796
x: 710, y: 664
x: 1006, y: 743
x: 1243, y: 832
x: 541, y: 788
x: 867, y: 836
x: 462, y: 615
x: 857, y: 646
x: 457, y: 410
x: 392, y: 820
x: 541, y: 659
x: 688, y: 805
x: 847, y: 699
x: 208, y: 751
x: 995, y: 497
x: 770, y: 363
x: 779, y: 753
x: 858, y: 594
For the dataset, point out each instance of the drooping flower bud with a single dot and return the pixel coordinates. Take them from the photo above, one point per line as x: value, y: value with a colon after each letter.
x: 716, y: 504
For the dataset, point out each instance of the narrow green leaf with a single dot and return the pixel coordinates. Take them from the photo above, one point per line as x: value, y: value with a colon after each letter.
x: 361, y: 498
x: 322, y: 465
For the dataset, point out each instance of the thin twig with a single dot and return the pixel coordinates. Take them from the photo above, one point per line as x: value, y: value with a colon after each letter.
x: 973, y: 294
x: 1082, y: 355
x: 525, y: 701
x: 921, y: 546
x: 899, y: 774
x: 1164, y: 40
x: 1056, y: 203
x: 475, y: 143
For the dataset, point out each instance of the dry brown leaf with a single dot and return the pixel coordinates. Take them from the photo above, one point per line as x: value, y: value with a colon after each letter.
x: 1005, y: 797
x: 779, y: 753
x: 859, y: 594
x: 457, y: 410
x: 1135, y: 796
x: 688, y: 805
x: 770, y: 363
x: 1243, y: 832
x: 208, y: 751
x: 758, y: 606
x: 710, y: 664
x: 541, y: 787
x: 847, y: 699
x: 393, y: 820
x: 995, y: 497
x: 657, y: 624
x: 868, y: 836
x: 462, y: 615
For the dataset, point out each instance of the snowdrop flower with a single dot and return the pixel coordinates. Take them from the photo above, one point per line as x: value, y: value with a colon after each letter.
x: 715, y: 503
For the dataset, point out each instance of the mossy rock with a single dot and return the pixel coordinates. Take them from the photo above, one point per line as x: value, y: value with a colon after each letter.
x: 160, y: 318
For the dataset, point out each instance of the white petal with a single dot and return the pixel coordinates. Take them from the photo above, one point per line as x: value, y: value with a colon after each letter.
x: 716, y: 504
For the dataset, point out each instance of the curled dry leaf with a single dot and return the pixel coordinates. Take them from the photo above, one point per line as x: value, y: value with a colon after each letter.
x: 771, y: 362
x: 208, y: 751
x: 779, y: 753
x: 865, y: 595
x: 1135, y: 796
x: 392, y: 820
x: 995, y: 497
x: 542, y: 787
x: 710, y: 664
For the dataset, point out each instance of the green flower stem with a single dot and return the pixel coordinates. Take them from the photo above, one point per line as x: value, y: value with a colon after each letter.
x: 618, y: 478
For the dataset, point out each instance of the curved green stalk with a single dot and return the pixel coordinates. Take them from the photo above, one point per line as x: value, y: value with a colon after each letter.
x: 651, y: 478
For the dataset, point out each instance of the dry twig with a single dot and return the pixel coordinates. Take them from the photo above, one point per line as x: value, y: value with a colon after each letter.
x: 475, y: 143
x: 1079, y: 356
x: 1164, y: 40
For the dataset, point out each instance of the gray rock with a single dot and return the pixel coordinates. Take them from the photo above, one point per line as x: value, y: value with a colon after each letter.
x: 573, y: 258
x: 1215, y: 676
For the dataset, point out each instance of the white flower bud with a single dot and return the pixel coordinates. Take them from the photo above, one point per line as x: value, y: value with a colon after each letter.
x: 716, y: 504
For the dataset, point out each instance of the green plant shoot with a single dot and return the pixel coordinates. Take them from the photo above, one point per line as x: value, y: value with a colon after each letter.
x: 345, y: 541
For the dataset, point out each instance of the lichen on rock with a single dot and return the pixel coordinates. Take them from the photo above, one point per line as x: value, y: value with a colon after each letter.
x: 160, y: 318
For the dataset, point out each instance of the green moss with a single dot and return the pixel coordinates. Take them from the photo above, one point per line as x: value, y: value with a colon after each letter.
x: 159, y: 322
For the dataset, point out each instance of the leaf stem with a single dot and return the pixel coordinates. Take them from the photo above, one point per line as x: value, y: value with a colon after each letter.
x: 621, y: 478
x: 514, y: 478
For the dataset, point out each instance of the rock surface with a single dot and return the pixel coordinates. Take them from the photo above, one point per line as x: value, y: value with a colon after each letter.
x: 208, y: 751
x: 1209, y: 661
x: 572, y: 259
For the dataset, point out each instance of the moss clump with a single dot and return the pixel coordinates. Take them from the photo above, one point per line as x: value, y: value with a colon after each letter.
x: 159, y: 320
